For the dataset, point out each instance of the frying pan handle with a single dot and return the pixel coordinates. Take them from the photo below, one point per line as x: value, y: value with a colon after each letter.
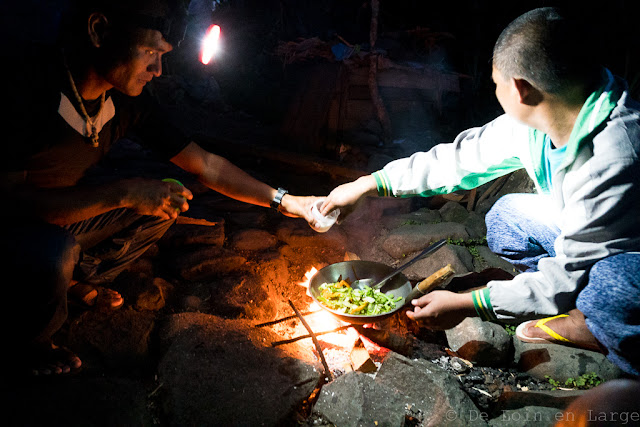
x: 428, y: 284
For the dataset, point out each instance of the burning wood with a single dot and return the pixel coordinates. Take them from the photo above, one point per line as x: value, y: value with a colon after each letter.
x: 301, y: 337
x: 284, y: 319
x: 327, y: 371
x: 388, y: 339
x: 360, y: 359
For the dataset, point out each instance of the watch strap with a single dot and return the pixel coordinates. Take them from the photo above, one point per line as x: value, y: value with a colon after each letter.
x: 275, y: 203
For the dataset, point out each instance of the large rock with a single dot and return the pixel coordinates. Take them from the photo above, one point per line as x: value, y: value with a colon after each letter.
x: 476, y: 225
x: 225, y: 372
x: 561, y: 362
x: 121, y: 339
x: 430, y: 391
x: 487, y: 259
x: 458, y: 256
x: 454, y: 212
x: 408, y: 239
x: 207, y: 262
x: 355, y: 399
x: 419, y: 217
x: 299, y: 234
x: 253, y: 240
x: 483, y: 343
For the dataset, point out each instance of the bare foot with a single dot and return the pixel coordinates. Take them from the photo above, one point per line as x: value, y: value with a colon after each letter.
x: 50, y: 359
x: 572, y: 327
x: 96, y: 296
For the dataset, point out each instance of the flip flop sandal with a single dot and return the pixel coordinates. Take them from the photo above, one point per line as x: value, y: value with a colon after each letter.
x: 542, y: 325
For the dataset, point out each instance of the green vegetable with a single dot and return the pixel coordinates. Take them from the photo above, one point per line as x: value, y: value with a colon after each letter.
x: 340, y: 296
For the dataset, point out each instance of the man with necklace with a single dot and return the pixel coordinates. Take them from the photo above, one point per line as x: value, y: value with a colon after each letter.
x: 71, y: 232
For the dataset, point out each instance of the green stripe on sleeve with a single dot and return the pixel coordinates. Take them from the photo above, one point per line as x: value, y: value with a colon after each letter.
x: 382, y: 182
x: 482, y: 304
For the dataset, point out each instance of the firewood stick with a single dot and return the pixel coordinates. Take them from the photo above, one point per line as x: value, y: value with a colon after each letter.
x: 301, y: 337
x: 327, y: 371
x: 283, y: 319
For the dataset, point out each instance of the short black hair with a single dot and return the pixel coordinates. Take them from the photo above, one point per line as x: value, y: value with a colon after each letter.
x: 126, y: 16
x: 549, y: 49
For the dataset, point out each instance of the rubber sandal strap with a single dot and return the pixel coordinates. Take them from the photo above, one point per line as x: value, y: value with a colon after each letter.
x: 541, y: 324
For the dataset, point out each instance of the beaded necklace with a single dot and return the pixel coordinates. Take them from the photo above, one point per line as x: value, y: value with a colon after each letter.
x: 90, y: 121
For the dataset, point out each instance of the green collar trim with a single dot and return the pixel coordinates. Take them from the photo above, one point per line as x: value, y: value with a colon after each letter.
x: 596, y: 109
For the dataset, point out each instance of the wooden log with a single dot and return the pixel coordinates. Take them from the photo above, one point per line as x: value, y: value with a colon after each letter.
x: 471, y: 199
x: 360, y: 358
x: 395, y: 342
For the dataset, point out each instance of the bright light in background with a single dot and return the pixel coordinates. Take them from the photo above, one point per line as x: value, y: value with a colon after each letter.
x: 210, y: 44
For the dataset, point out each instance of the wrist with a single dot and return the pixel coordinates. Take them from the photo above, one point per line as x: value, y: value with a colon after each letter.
x: 368, y: 185
x: 482, y: 304
x: 278, y: 197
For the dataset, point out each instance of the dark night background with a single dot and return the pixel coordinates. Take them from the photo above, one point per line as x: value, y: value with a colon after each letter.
x: 253, y: 79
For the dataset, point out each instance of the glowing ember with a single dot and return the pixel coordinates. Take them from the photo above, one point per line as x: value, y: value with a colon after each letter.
x: 308, y: 275
x: 210, y: 44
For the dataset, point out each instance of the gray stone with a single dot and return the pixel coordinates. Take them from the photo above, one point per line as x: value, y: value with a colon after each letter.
x: 122, y: 338
x: 406, y: 240
x: 299, y: 234
x: 430, y: 390
x: 253, y: 240
x: 483, y: 343
x: 458, y: 256
x: 487, y: 259
x: 454, y: 212
x: 476, y: 226
x: 225, y: 372
x: 419, y: 217
x: 355, y: 399
x: 561, y: 362
x: 207, y: 262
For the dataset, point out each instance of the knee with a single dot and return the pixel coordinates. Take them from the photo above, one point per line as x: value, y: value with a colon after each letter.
x: 498, y: 211
x: 58, y: 254
x: 497, y: 220
x: 614, y: 282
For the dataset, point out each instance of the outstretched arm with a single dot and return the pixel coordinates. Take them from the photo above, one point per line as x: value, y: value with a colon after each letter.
x: 347, y: 196
x: 224, y: 177
x: 442, y: 310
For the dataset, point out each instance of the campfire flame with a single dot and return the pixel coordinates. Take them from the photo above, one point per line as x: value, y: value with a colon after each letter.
x: 210, y: 44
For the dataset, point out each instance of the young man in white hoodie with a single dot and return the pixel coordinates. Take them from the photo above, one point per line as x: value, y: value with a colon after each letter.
x: 572, y: 125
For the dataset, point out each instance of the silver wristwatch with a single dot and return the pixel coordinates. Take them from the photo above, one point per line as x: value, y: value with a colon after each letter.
x: 275, y: 203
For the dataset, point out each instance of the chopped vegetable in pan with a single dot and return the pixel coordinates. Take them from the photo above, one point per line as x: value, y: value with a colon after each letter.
x: 340, y: 296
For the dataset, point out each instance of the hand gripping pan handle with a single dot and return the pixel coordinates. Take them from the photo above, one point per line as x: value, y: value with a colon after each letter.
x: 427, y: 285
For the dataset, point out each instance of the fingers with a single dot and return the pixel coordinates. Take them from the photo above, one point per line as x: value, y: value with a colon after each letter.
x: 179, y: 190
x: 177, y: 201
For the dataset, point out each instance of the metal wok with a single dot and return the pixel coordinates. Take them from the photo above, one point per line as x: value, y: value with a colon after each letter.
x: 398, y: 285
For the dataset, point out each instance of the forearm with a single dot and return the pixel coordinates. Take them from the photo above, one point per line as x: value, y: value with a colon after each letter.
x: 226, y: 178
x: 63, y: 206
x: 222, y: 176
